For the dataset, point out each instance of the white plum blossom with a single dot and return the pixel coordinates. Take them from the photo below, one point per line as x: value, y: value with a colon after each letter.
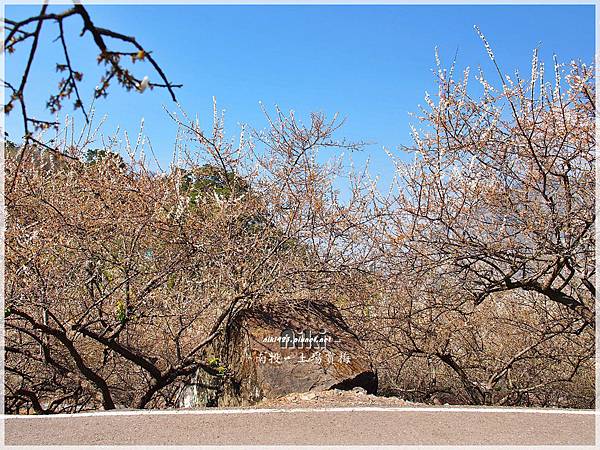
x: 144, y: 84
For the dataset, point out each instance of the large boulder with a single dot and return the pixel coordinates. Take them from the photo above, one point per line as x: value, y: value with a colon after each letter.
x: 270, y: 352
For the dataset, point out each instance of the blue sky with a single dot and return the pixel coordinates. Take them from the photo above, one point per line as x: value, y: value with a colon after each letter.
x: 372, y: 64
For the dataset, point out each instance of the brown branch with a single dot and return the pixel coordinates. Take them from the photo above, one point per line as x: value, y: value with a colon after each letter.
x: 85, y: 370
x: 20, y: 96
x: 72, y: 77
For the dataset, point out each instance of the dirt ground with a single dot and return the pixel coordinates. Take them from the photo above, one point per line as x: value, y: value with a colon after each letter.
x: 332, y: 398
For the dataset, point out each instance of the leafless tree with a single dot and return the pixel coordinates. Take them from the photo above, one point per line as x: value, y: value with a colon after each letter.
x: 121, y: 281
x: 490, y: 249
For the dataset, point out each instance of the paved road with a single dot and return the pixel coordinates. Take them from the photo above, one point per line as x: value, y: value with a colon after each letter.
x: 358, y: 426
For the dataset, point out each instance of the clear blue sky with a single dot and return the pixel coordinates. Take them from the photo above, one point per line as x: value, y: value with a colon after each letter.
x: 371, y: 64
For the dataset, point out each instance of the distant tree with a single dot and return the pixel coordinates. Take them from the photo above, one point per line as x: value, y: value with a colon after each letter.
x: 210, y: 179
x: 95, y: 156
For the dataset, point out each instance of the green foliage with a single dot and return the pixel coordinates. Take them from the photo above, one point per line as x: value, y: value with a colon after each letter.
x: 121, y: 311
x: 171, y: 282
x: 108, y: 275
x: 210, y: 180
x: 213, y: 362
x: 367, y: 311
x: 94, y: 156
x: 216, y: 364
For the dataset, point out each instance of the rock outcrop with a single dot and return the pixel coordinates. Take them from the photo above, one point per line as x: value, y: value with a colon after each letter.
x: 270, y: 353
